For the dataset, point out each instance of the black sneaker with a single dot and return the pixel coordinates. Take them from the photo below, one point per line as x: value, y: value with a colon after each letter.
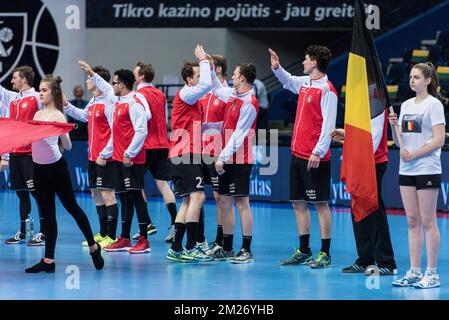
x: 19, y: 237
x: 97, y: 258
x: 42, y: 267
x: 355, y: 268
x: 375, y: 270
x: 151, y: 229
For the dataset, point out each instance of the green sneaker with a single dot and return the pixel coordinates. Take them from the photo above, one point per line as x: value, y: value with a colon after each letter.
x: 97, y: 238
x: 298, y: 259
x: 321, y: 261
x: 176, y: 256
x: 196, y: 254
x: 107, y: 241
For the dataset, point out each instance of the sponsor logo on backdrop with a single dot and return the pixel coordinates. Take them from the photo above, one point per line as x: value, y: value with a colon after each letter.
x: 28, y: 36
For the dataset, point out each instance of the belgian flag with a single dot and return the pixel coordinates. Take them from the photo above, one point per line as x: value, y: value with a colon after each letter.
x: 366, y: 98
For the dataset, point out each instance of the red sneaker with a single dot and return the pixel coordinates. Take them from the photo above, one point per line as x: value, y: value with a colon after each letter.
x: 142, y: 246
x: 122, y: 244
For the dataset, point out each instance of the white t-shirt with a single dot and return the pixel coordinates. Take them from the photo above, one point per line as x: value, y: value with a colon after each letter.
x: 417, y: 121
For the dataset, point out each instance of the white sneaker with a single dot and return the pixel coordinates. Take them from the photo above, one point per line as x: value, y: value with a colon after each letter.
x: 203, y: 245
x: 213, y: 249
x: 430, y: 280
x: 408, y: 280
x: 171, y: 234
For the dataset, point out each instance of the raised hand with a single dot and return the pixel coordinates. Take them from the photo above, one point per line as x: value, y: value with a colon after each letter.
x: 86, y: 67
x: 274, y: 59
x: 200, y: 54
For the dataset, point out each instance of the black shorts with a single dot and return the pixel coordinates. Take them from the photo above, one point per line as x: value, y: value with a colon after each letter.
x: 101, y: 177
x: 158, y: 164
x: 187, y: 178
x: 426, y: 181
x: 310, y: 186
x: 128, y: 178
x: 210, y: 176
x: 235, y: 180
x: 21, y: 171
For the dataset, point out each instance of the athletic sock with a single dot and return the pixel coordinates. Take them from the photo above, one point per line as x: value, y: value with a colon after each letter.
x: 325, y: 246
x: 173, y: 211
x: 304, y: 243
x: 180, y: 229
x: 228, y: 240
x: 103, y: 219
x: 247, y: 243
x: 219, y: 237
x: 192, y: 234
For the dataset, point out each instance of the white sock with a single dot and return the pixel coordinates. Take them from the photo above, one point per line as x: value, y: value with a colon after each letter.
x: 415, y: 270
x: 431, y: 270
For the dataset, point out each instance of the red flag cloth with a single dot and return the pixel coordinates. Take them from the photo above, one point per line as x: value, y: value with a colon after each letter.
x: 15, y: 133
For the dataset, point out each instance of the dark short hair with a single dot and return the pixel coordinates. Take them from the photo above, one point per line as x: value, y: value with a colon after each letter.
x: 102, y: 72
x: 220, y: 61
x: 321, y: 54
x: 146, y: 70
x: 27, y: 73
x: 126, y: 76
x: 187, y: 70
x: 248, y: 70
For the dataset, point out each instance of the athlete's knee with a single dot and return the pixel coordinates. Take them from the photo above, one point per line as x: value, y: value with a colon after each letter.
x: 242, y: 203
x: 109, y: 197
x: 197, y: 197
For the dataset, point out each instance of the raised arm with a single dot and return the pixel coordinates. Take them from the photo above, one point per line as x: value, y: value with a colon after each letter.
x: 219, y: 90
x: 289, y: 82
x: 101, y: 84
x: 191, y: 95
x: 6, y: 96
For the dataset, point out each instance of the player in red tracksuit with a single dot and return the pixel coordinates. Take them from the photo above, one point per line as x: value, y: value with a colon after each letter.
x: 236, y: 160
x: 22, y: 104
x: 99, y: 115
x: 129, y: 131
x: 212, y: 117
x: 185, y: 157
x: 316, y: 114
x: 156, y: 143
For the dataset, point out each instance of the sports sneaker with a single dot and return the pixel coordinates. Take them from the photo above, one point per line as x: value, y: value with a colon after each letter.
x: 142, y: 246
x: 298, y: 258
x: 171, y: 234
x: 97, y: 238
x: 151, y: 229
x: 19, y: 237
x: 176, y: 256
x: 242, y: 257
x: 221, y: 254
x: 203, y: 245
x: 375, y: 270
x: 122, y: 244
x: 213, y: 249
x: 196, y: 254
x: 355, y: 268
x: 322, y: 260
x: 107, y: 241
x: 408, y: 280
x: 430, y: 280
x: 37, y: 240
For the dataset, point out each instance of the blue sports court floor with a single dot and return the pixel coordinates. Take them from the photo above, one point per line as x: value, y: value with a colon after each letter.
x: 151, y: 276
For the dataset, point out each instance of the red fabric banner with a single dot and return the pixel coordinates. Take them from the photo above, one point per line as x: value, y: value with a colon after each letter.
x: 15, y: 133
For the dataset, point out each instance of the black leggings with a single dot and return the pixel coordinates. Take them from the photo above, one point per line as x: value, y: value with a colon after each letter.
x: 51, y: 179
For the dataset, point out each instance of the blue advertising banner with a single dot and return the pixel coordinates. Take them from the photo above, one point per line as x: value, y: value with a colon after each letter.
x: 272, y: 187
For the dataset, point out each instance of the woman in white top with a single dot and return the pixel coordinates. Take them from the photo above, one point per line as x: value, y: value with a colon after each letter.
x: 52, y: 178
x: 422, y: 130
